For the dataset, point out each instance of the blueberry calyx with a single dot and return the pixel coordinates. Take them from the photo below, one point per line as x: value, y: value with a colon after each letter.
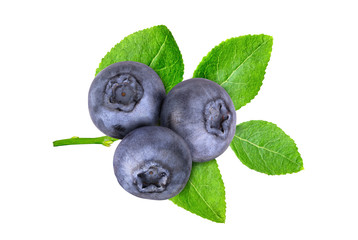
x: 217, y: 118
x: 123, y: 92
x: 151, y: 178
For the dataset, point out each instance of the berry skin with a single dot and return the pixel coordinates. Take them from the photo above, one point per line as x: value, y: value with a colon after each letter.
x: 125, y: 96
x: 201, y: 112
x: 152, y: 162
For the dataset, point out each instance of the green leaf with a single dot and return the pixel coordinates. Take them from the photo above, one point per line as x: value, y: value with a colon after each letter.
x: 238, y: 65
x: 154, y: 47
x: 204, y: 193
x: 264, y: 147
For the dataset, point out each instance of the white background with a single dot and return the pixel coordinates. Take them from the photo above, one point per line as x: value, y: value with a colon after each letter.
x: 49, y: 53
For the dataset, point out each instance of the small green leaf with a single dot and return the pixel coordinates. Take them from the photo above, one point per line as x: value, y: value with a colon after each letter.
x: 264, y: 147
x: 154, y: 47
x: 238, y: 65
x: 204, y: 193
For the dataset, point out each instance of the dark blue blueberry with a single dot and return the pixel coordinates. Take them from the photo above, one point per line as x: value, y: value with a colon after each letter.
x: 125, y: 96
x: 202, y: 113
x: 152, y: 162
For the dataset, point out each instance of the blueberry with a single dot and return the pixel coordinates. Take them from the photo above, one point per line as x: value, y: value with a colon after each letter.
x: 202, y: 113
x: 125, y: 96
x: 152, y: 162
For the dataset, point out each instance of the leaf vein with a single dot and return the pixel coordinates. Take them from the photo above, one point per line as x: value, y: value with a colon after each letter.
x: 245, y: 140
x: 207, y: 204
x: 166, y: 67
x: 247, y: 155
x: 160, y: 49
x: 244, y: 62
x: 265, y: 162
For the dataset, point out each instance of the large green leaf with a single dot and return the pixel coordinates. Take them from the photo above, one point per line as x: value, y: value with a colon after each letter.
x: 204, y: 193
x: 264, y: 147
x: 154, y: 47
x: 238, y: 65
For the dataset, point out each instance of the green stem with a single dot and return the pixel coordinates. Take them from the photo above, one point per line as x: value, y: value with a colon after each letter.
x: 105, y: 140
